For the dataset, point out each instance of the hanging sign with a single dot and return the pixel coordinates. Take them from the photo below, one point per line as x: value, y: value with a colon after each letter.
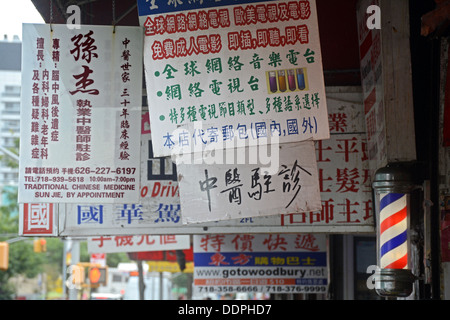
x: 230, y: 191
x: 80, y: 114
x: 232, y: 73
x: 131, y: 243
x: 270, y: 263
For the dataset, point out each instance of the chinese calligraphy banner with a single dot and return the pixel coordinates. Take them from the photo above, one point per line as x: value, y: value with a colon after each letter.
x: 270, y: 263
x: 232, y: 191
x: 138, y: 243
x: 80, y: 114
x: 232, y: 73
x: 343, y: 164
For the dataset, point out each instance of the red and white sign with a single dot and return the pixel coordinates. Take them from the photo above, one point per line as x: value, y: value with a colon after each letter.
x: 37, y: 219
x: 271, y: 263
x: 138, y: 243
x: 98, y: 258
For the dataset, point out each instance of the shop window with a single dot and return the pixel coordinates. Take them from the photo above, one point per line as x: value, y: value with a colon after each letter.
x: 365, y: 255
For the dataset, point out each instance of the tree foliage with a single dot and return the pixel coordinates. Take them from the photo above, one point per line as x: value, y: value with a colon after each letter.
x: 22, y: 259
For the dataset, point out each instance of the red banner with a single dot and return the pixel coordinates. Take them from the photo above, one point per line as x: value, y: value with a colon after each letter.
x: 169, y: 255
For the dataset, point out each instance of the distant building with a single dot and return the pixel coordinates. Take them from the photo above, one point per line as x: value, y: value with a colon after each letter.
x: 10, y: 85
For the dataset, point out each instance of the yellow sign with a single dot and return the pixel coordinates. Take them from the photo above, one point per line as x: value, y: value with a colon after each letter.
x: 166, y: 266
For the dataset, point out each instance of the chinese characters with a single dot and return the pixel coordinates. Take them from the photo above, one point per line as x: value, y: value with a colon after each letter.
x: 45, y: 93
x: 288, y: 181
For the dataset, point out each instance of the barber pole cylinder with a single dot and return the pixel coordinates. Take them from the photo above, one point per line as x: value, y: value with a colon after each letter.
x: 393, y: 231
x: 392, y: 186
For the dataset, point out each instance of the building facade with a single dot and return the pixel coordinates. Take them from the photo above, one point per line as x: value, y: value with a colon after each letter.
x: 10, y: 83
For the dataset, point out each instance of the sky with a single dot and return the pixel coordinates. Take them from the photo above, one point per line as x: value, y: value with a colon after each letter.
x: 15, y: 12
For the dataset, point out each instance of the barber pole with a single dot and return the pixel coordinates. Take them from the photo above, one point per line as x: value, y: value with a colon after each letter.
x: 393, y: 231
x: 393, y: 186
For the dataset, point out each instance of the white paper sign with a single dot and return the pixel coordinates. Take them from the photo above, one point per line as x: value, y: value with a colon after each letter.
x: 232, y: 191
x: 232, y: 71
x: 80, y: 114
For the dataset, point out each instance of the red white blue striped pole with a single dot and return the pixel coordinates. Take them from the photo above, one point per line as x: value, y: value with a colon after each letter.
x: 393, y: 185
x: 393, y: 231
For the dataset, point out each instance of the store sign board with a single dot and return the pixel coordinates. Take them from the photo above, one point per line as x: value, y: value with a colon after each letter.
x: 270, y: 263
x: 80, y: 114
x: 130, y: 243
x: 232, y: 73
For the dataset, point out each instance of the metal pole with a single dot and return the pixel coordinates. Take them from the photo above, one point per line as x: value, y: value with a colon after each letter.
x: 141, y: 280
x: 73, y: 292
x: 17, y: 239
x: 161, y: 285
x: 64, y: 270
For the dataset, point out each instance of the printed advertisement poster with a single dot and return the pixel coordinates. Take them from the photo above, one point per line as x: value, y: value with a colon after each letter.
x: 270, y: 263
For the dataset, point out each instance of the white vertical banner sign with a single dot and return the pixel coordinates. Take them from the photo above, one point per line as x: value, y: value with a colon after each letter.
x: 38, y: 219
x: 80, y: 114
